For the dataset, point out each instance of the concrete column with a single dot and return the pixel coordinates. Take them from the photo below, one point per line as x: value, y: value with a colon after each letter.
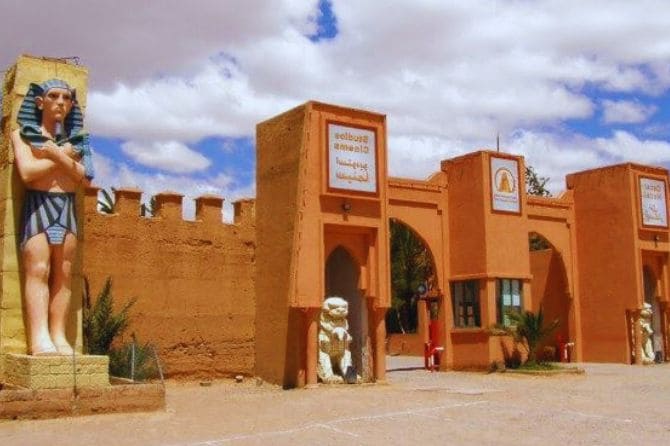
x: 446, y: 317
x: 423, y: 320
x: 664, y: 327
x: 311, y: 330
x: 379, y: 344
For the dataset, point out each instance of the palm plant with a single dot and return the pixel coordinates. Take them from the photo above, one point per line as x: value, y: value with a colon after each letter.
x: 100, y: 324
x: 148, y: 209
x: 529, y: 329
x: 101, y: 327
x: 106, y: 202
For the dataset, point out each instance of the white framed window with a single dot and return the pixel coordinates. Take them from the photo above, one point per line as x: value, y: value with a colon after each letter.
x: 510, y: 298
x: 465, y: 302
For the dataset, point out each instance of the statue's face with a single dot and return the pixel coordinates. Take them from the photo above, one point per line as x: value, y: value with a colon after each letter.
x: 337, y: 308
x: 55, y: 104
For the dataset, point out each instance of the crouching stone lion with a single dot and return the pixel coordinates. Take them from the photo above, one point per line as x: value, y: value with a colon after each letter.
x: 335, y: 365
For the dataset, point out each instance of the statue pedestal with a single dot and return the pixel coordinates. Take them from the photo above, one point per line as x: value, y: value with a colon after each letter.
x: 55, y: 372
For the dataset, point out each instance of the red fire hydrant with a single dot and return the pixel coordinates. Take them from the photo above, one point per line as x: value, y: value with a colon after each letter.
x: 432, y: 351
x: 564, y: 349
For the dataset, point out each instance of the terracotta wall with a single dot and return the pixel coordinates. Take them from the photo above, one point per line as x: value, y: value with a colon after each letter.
x: 278, y: 343
x: 605, y: 231
x: 194, y: 280
x: 466, y: 214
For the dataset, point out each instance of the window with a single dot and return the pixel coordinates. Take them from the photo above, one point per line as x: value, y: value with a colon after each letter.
x: 465, y: 302
x: 509, y: 299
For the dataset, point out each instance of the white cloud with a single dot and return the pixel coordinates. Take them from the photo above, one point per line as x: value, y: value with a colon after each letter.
x: 627, y: 147
x: 217, y: 101
x: 126, y: 41
x: 557, y: 154
x: 626, y: 112
x: 449, y: 75
x: 487, y: 67
x: 171, y: 156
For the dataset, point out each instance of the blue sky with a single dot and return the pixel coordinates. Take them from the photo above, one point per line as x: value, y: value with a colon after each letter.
x: 175, y: 92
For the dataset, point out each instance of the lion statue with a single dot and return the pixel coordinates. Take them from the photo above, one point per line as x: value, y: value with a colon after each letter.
x: 335, y: 365
x: 647, y: 331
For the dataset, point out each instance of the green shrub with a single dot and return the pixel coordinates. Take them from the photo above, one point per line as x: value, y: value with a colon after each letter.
x: 121, y: 361
x: 530, y: 330
x: 100, y: 324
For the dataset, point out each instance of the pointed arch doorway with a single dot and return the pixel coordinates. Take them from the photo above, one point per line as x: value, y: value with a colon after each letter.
x: 342, y: 280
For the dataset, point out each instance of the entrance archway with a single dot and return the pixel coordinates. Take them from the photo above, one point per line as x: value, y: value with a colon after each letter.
x: 651, y: 297
x: 550, y: 289
x: 342, y: 279
x: 412, y: 270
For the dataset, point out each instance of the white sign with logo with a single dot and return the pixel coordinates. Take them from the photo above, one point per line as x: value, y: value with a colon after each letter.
x: 352, y: 158
x: 654, y: 211
x: 505, y: 185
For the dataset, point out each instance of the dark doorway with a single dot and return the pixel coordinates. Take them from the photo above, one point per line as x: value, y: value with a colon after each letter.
x: 342, y: 278
x: 651, y: 297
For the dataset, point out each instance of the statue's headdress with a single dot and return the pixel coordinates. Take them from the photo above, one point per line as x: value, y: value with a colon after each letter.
x: 30, y: 121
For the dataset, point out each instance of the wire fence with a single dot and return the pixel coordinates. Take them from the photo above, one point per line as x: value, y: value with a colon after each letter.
x: 136, y: 362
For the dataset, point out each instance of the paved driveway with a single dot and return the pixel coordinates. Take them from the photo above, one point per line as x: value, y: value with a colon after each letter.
x: 610, y: 405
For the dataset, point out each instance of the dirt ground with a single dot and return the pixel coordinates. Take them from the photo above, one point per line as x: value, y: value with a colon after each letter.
x: 611, y: 404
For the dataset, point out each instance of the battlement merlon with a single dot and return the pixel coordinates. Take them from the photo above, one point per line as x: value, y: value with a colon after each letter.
x: 208, y: 208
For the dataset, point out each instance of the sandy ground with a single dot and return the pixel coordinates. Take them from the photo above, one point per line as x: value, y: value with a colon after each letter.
x: 610, y: 405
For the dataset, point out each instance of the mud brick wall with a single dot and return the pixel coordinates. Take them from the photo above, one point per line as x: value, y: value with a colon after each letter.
x: 193, y: 280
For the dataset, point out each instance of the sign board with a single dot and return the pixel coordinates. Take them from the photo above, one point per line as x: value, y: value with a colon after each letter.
x: 505, y: 196
x: 652, y: 200
x: 352, y: 158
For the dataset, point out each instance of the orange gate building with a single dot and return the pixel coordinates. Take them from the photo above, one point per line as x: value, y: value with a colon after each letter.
x: 324, y: 202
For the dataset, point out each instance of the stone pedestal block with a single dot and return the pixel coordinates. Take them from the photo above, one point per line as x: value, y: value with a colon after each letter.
x: 55, y: 372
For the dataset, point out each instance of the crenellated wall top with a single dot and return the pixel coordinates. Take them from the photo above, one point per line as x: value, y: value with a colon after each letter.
x: 168, y: 206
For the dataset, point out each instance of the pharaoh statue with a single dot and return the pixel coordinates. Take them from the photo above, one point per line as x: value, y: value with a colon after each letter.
x: 53, y: 159
x: 647, y: 331
x: 335, y: 365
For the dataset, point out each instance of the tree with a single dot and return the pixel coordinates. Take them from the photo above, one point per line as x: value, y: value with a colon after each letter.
x: 100, y: 324
x: 537, y: 243
x: 411, y: 265
x: 535, y: 184
x: 528, y: 329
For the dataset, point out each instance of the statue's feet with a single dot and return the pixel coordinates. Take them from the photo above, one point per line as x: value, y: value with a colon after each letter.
x: 334, y: 379
x: 47, y: 353
x: 44, y: 348
x: 63, y: 347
